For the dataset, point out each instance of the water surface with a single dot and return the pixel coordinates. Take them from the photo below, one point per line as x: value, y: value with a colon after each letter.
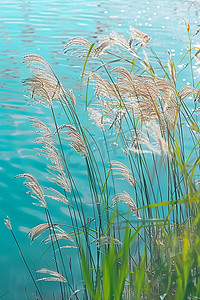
x: 44, y: 27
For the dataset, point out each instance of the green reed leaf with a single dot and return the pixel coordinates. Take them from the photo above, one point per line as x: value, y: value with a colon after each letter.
x: 88, y: 54
x: 86, y: 274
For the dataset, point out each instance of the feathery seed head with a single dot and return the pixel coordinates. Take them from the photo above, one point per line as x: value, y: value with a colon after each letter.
x: 171, y: 68
x: 59, y: 197
x: 55, y: 276
x: 105, y: 240
x: 8, y: 223
x: 35, y: 189
x: 51, y: 152
x: 197, y: 182
x: 72, y: 97
x: 122, y: 170
x: 43, y: 86
x: 141, y: 140
x: 141, y: 37
x: 106, y: 42
x: 171, y: 110
x: 60, y: 234
x: 186, y: 91
x: 74, y: 137
x: 38, y: 230
x: 125, y: 198
x: 44, y: 130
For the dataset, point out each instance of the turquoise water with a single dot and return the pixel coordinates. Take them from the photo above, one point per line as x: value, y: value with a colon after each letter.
x: 44, y: 27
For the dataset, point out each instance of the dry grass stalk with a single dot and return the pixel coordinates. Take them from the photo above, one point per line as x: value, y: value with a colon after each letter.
x: 197, y: 32
x: 74, y: 294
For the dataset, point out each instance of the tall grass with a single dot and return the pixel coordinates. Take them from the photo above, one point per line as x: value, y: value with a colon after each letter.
x: 142, y: 240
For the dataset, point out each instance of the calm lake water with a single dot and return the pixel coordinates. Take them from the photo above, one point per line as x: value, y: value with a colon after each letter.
x: 44, y: 27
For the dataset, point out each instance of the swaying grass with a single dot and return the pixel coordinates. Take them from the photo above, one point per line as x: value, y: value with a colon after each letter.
x: 142, y: 242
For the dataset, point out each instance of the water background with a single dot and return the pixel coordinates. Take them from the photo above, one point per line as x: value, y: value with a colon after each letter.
x: 44, y: 27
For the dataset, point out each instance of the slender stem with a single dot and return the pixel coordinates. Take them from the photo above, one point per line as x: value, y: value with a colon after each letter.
x: 24, y: 260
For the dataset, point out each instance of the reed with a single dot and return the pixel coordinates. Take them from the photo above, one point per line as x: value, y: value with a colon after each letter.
x: 141, y: 242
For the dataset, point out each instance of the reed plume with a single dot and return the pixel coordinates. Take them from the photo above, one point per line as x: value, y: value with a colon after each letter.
x: 122, y: 170
x: 43, y: 129
x: 152, y: 110
x: 97, y: 116
x: 170, y: 112
x: 43, y: 86
x: 51, y: 152
x: 104, y: 87
x: 55, y: 276
x: 125, y: 198
x: 105, y: 240
x: 75, y: 139
x: 59, y: 197
x: 171, y: 68
x: 59, y: 234
x: 197, y: 182
x: 140, y: 95
x: 72, y: 97
x: 35, y: 189
x: 159, y: 145
x: 38, y: 230
x: 108, y: 41
x: 142, y: 38
x: 187, y: 91
x: 8, y: 223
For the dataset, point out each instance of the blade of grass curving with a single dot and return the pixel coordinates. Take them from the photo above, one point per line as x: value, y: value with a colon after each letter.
x: 90, y: 49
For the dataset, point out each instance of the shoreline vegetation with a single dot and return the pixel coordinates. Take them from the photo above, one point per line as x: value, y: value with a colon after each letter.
x: 141, y: 241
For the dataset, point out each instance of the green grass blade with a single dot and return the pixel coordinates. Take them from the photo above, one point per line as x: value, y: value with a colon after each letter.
x: 86, y: 275
x: 89, y: 51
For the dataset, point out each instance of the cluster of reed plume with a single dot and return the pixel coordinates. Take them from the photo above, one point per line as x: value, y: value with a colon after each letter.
x: 151, y: 119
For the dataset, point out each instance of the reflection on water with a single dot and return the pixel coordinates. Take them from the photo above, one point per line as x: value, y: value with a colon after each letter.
x: 44, y: 27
